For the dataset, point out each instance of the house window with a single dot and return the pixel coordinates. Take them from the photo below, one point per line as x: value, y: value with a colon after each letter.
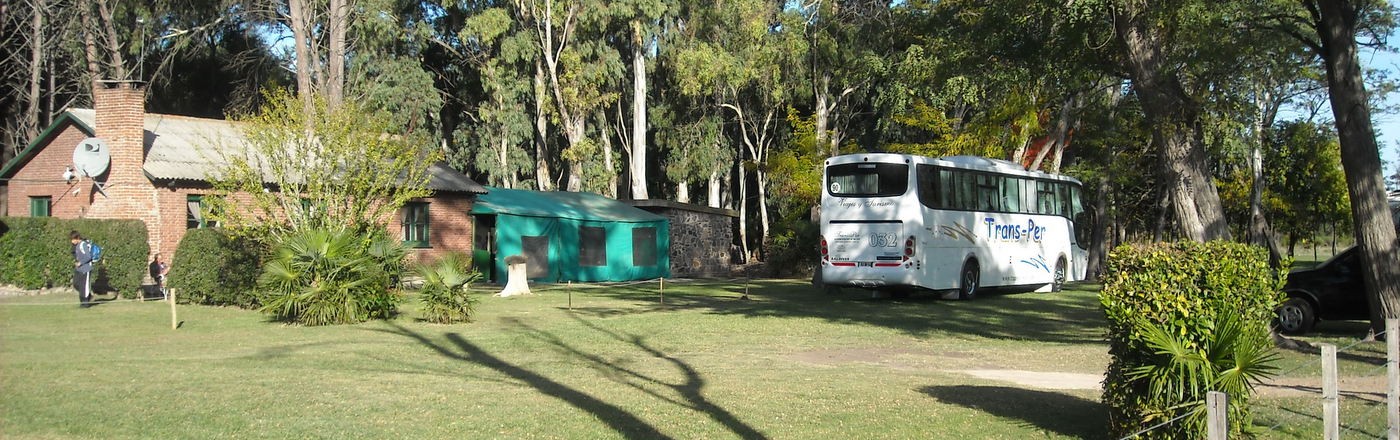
x: 592, y: 246
x: 415, y: 224
x: 40, y: 206
x: 644, y: 246
x: 197, y: 213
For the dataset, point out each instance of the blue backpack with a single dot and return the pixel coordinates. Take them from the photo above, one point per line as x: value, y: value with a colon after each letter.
x: 96, y: 251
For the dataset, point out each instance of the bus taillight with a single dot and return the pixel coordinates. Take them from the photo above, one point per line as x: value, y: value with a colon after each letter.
x: 908, y: 248
x: 824, y: 253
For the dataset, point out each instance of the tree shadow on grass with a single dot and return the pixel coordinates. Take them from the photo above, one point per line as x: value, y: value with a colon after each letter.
x: 1049, y: 317
x: 620, y: 420
x: 1061, y: 414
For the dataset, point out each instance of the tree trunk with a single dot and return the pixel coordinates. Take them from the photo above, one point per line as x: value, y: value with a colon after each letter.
x: 114, y: 48
x: 543, y: 179
x: 742, y: 195
x: 1175, y: 125
x: 1375, y: 230
x: 336, y: 50
x: 1098, y: 243
x: 638, y: 162
x: 299, y: 14
x: 610, y: 188
x: 712, y: 195
x: 94, y: 69
x: 36, y: 70
x: 574, y: 132
x: 822, y: 91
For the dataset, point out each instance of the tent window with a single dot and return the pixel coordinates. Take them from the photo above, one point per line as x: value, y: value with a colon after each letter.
x: 536, y: 250
x: 644, y: 246
x: 40, y: 206
x: 592, y: 246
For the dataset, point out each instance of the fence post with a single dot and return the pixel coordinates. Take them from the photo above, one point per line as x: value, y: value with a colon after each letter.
x: 663, y: 290
x: 1330, y: 416
x: 1392, y: 360
x: 1217, y: 411
x: 174, y: 322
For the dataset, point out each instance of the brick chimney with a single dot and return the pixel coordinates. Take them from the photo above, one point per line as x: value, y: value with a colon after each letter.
x: 121, y: 114
x: 121, y: 120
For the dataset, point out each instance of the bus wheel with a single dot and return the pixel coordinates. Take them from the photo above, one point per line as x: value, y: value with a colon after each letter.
x: 1059, y: 283
x: 969, y: 279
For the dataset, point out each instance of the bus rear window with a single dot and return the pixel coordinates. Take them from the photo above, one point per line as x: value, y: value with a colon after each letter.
x: 867, y: 179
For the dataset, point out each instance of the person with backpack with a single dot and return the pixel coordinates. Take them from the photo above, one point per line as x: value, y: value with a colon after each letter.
x: 82, y: 268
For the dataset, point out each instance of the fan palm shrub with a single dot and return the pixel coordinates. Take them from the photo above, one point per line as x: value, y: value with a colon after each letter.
x: 1185, y: 319
x: 1230, y: 358
x: 321, y: 277
x: 445, y: 294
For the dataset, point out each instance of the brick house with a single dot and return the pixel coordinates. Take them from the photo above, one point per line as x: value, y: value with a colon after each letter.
x: 157, y: 174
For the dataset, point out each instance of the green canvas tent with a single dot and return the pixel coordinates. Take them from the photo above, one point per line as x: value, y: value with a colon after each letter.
x: 570, y: 236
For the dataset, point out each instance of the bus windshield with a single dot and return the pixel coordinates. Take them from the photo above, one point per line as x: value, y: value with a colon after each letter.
x: 867, y: 179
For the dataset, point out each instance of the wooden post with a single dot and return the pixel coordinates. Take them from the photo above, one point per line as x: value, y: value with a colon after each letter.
x: 1217, y: 412
x: 1330, y: 412
x: 663, y: 290
x: 1392, y: 361
x: 174, y: 321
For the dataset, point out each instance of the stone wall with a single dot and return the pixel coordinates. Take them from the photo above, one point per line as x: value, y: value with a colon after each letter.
x: 700, y: 237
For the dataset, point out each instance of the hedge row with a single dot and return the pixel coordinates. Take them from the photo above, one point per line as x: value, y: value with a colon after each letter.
x: 212, y: 267
x: 1186, y: 317
x: 35, y: 253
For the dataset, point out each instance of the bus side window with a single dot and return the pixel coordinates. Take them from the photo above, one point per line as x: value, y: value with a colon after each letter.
x: 1064, y: 199
x: 1011, y: 194
x: 1046, y: 193
x: 929, y: 194
x: 989, y: 193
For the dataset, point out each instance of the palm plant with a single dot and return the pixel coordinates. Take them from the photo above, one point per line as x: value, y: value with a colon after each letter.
x: 1231, y: 357
x: 320, y: 276
x: 446, y: 298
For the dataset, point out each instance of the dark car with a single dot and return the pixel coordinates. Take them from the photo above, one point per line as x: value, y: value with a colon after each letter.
x: 1333, y: 290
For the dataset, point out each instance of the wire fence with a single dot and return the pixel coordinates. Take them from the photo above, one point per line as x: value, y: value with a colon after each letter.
x: 1367, y: 417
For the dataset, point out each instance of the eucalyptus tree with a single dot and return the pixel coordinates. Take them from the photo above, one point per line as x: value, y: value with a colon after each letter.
x: 502, y: 55
x: 642, y: 20
x: 745, y: 55
x: 849, y: 45
x: 575, y: 63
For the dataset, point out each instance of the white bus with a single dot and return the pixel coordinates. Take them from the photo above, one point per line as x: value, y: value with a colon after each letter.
x: 898, y: 223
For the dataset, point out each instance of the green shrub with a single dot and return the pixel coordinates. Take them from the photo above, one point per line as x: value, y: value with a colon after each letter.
x: 445, y: 294
x: 35, y: 253
x: 216, y: 268
x: 1186, y: 318
x: 320, y: 277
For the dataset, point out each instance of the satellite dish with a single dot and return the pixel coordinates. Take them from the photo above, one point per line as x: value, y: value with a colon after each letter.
x: 92, y: 157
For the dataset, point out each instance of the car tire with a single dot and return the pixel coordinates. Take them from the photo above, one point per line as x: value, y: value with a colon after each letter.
x: 1296, y: 317
x: 969, y: 280
x: 1059, y: 283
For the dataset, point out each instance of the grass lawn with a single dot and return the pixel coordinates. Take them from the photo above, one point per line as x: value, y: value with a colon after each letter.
x: 792, y: 362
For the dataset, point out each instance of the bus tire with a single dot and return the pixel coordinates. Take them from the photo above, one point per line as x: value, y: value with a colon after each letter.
x: 1059, y: 283
x: 969, y: 280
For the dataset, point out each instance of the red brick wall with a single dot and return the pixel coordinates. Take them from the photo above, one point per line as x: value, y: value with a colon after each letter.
x: 449, y: 226
x: 121, y: 122
x: 130, y: 195
x: 43, y: 176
